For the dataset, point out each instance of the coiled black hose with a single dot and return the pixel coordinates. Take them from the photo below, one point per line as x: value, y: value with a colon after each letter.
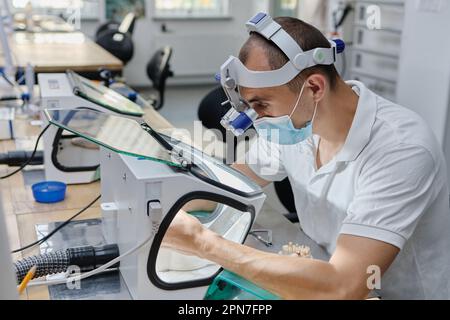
x: 48, y: 263
x: 86, y: 258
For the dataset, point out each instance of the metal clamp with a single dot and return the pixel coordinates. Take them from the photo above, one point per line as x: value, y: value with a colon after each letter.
x: 268, y: 241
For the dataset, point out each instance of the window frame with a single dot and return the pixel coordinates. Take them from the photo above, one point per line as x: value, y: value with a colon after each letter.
x: 156, y: 16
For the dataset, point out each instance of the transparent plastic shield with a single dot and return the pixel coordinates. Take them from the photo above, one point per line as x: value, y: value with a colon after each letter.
x: 103, y: 96
x: 119, y: 134
x: 131, y: 137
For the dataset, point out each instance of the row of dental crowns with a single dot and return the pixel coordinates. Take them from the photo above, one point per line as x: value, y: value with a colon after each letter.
x: 291, y: 249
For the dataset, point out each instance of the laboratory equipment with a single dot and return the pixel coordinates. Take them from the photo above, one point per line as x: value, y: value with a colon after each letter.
x: 116, y: 83
x: 343, y: 16
x: 146, y: 178
x: 233, y: 73
x: 33, y: 19
x: 6, y: 15
x: 266, y: 240
x: 66, y: 158
x: 230, y: 286
x: 8, y: 71
x: 18, y: 158
x: 7, y: 117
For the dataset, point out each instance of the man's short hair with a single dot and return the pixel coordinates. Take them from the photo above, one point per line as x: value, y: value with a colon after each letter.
x: 307, y: 36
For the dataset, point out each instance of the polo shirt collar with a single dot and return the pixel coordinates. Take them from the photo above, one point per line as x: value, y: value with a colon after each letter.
x: 363, y: 122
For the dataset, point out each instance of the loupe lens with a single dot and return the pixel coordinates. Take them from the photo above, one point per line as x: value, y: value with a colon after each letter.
x: 242, y: 122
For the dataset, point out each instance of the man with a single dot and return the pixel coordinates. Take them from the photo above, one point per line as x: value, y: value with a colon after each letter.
x: 369, y: 181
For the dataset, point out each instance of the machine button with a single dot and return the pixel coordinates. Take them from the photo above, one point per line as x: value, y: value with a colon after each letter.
x: 154, y: 210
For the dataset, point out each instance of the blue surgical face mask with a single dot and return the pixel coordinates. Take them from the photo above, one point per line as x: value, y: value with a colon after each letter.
x: 281, y: 130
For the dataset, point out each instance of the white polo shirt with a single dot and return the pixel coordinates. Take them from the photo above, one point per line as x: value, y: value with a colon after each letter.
x: 388, y: 183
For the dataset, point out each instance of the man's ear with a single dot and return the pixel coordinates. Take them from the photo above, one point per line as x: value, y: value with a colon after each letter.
x: 318, y: 85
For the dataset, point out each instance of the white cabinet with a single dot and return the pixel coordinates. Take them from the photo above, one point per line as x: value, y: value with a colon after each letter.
x: 375, y: 54
x: 392, y: 14
x: 377, y: 41
x: 375, y: 65
x: 424, y: 73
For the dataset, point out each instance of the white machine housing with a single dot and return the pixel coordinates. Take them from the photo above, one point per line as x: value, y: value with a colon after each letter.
x: 57, y: 93
x: 138, y: 195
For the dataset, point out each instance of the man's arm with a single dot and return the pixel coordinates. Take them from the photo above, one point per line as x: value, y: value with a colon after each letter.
x: 343, y: 277
x: 245, y: 170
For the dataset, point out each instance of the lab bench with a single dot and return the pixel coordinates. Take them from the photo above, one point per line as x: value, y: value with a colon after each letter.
x: 56, y: 52
x: 111, y: 285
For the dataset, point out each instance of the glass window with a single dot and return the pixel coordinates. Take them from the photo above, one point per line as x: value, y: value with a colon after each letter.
x: 286, y: 8
x: 116, y: 10
x: 191, y: 8
x: 86, y: 9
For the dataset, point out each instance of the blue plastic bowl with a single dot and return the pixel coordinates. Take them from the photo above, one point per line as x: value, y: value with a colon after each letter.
x: 49, y: 191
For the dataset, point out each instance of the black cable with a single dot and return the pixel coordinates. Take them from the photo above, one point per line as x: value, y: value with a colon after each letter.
x: 157, y: 137
x: 40, y: 241
x: 196, y: 171
x: 10, y: 98
x: 31, y: 157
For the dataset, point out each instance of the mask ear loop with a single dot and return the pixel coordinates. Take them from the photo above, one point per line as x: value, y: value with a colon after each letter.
x: 314, y: 116
x: 298, y: 100
x: 315, y: 113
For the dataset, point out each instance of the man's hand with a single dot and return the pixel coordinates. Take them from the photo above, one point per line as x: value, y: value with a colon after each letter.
x: 185, y: 234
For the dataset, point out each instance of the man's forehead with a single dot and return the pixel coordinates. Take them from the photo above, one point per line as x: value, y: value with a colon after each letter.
x: 264, y: 94
x: 253, y: 94
x: 257, y: 59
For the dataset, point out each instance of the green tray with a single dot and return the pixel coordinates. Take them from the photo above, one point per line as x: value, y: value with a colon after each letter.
x: 230, y: 286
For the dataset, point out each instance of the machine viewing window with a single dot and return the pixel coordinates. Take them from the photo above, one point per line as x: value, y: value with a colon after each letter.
x: 172, y: 269
x: 191, y: 9
x: 103, y: 96
x: 119, y: 134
